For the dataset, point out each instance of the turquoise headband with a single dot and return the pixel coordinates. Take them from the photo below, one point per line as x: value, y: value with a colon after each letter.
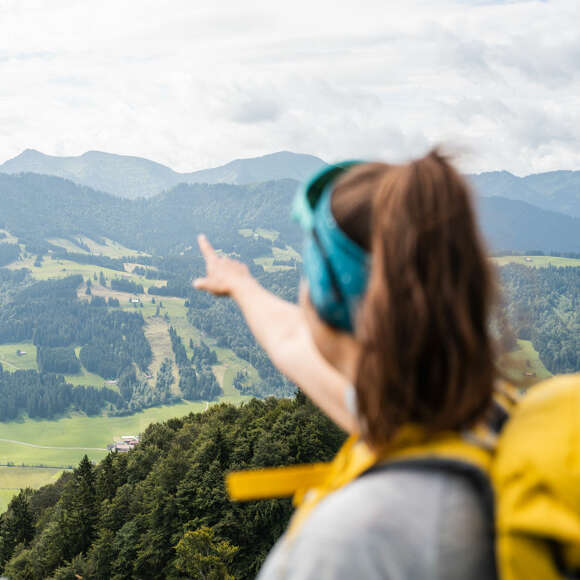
x: 335, y: 267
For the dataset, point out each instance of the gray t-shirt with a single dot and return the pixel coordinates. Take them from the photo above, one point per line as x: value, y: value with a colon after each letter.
x: 396, y: 524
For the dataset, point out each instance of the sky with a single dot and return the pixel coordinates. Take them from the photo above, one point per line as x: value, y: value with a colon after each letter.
x: 195, y: 84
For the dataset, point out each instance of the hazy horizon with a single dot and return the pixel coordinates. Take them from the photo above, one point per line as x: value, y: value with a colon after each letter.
x: 498, y: 170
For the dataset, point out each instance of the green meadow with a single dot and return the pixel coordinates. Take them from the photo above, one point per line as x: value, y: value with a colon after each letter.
x: 12, y: 361
x: 111, y: 249
x: 537, y: 261
x: 63, y: 442
x: 524, y: 366
x: 260, y: 233
x: 8, y: 237
x: 287, y: 254
x: 13, y: 478
x: 59, y: 268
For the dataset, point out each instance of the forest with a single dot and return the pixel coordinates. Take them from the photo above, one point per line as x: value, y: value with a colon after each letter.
x: 49, y: 314
x: 112, y: 344
x: 8, y: 253
x: 47, y: 395
x: 540, y: 304
x: 196, y: 379
x: 36, y: 208
x: 543, y: 305
x: 161, y: 511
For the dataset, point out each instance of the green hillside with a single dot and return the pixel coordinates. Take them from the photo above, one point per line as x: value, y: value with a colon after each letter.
x: 130, y: 511
x: 37, y: 208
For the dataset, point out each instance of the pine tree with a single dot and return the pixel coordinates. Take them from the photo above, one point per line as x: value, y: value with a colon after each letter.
x: 83, y: 506
x: 201, y: 555
x: 17, y: 526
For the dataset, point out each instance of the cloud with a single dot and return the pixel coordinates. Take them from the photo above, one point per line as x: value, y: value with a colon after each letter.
x: 200, y: 84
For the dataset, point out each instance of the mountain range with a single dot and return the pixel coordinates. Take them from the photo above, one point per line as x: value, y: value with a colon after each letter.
x: 36, y: 208
x: 133, y: 177
x: 554, y: 190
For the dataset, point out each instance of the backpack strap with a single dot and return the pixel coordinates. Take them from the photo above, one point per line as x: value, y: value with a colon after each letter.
x: 561, y: 563
x: 477, y: 477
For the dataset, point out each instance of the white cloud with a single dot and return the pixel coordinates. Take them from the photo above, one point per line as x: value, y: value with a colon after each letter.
x: 194, y: 85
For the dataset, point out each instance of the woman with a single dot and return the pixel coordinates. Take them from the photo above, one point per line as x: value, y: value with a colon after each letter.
x: 391, y: 330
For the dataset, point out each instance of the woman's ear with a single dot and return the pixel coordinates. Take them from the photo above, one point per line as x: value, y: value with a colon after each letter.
x: 339, y: 348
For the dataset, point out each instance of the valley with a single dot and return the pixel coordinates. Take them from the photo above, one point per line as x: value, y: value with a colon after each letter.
x: 102, y: 335
x: 60, y: 443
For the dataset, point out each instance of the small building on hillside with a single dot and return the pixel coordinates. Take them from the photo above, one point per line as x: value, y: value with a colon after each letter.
x: 126, y: 444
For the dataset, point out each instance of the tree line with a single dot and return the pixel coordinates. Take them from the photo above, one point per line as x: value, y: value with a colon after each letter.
x: 161, y: 510
x: 47, y: 395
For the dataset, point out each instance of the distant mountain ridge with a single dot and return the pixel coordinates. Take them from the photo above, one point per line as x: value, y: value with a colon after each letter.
x: 555, y: 190
x: 40, y: 207
x: 133, y: 177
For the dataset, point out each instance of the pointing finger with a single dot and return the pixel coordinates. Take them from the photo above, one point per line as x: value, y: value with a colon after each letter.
x: 206, y: 248
x: 200, y: 283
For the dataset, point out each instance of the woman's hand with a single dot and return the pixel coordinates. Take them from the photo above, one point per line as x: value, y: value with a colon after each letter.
x: 282, y: 330
x: 223, y: 275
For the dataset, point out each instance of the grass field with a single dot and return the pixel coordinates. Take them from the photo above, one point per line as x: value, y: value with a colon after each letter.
x: 111, y: 249
x: 14, y: 362
x: 67, y: 437
x: 6, y: 495
x: 67, y: 245
x: 260, y: 233
x: 63, y: 442
x: 524, y: 366
x: 157, y: 333
x: 537, y: 261
x: 12, y: 479
x: 52, y: 268
x: 87, y: 379
x: 11, y: 361
x: 267, y: 262
x: 9, y: 238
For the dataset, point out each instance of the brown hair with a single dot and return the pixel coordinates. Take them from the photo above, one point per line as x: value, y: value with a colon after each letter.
x: 427, y: 356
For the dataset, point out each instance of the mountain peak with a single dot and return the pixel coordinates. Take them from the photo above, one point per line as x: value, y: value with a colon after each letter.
x: 28, y: 153
x: 130, y: 176
x: 278, y: 165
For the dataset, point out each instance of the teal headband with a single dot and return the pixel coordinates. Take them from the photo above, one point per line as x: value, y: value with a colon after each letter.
x: 335, y: 267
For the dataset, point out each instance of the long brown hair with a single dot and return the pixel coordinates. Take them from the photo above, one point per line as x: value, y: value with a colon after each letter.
x: 427, y: 356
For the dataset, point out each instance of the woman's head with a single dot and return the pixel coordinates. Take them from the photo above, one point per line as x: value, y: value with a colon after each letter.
x: 421, y: 339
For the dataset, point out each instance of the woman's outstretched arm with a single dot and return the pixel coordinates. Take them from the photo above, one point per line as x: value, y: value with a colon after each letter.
x: 281, y: 329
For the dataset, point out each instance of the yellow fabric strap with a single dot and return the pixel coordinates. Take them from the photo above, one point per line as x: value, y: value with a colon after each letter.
x: 275, y: 482
x: 352, y: 460
x: 310, y: 484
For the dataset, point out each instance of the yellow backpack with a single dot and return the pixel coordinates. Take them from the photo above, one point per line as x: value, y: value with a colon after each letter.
x: 529, y: 478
